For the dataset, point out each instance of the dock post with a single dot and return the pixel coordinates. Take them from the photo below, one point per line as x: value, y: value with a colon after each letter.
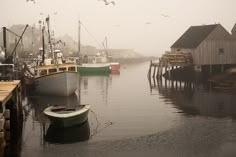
x: 160, y: 75
x: 150, y: 69
x: 4, y: 41
x: 154, y: 73
x: 158, y: 70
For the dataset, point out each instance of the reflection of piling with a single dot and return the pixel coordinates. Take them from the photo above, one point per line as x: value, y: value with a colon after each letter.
x: 166, y: 85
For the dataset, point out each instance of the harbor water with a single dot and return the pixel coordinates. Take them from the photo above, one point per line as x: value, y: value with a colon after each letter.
x: 134, y: 116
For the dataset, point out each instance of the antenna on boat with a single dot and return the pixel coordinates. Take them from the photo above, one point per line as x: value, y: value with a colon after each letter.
x: 5, y: 41
x: 43, y: 56
x: 79, y: 37
x: 106, y: 46
x: 104, y: 43
x: 49, y: 37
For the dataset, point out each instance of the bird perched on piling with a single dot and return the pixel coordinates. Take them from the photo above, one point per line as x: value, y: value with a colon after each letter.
x: 107, y: 3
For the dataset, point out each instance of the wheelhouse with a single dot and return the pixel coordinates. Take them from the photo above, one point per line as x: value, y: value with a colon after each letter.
x: 46, y: 70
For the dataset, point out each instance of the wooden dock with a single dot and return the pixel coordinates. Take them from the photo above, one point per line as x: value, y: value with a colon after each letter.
x: 10, y: 109
x: 169, y: 61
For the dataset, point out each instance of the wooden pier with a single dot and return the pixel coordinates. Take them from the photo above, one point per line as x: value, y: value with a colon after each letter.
x: 168, y: 62
x: 10, y: 111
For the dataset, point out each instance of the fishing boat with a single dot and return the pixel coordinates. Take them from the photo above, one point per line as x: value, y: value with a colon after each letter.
x: 90, y: 68
x: 114, y: 66
x: 63, y: 116
x: 56, y: 79
x: 51, y: 75
x: 99, y: 64
x: 103, y: 57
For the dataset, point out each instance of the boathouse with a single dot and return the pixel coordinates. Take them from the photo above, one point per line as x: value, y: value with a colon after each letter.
x: 212, y: 47
x: 206, y: 48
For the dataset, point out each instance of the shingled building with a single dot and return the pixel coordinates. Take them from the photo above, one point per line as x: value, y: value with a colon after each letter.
x: 211, y: 46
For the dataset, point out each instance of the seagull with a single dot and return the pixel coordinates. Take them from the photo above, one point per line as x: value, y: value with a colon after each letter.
x: 164, y: 15
x: 107, y: 3
x: 30, y: 0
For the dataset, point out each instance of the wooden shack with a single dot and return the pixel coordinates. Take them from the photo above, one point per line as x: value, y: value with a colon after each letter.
x: 205, y: 48
x: 211, y: 46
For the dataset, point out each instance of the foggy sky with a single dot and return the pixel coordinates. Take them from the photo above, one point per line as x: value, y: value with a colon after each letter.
x: 141, y: 25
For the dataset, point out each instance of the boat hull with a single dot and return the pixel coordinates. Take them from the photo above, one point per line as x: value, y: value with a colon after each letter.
x: 58, y: 84
x: 67, y: 120
x: 115, y: 66
x: 94, y: 69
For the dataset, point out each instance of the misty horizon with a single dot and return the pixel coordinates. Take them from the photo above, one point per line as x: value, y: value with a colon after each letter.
x: 149, y: 27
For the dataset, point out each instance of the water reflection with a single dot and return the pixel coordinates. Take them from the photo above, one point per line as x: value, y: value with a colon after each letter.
x: 67, y: 135
x: 192, y: 98
x: 40, y: 103
x: 95, y: 73
x: 13, y: 139
x: 51, y: 133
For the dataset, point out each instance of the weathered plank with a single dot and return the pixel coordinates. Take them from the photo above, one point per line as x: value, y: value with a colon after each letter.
x: 6, y: 88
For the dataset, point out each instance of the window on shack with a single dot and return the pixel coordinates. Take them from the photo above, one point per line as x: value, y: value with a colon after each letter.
x: 221, y: 51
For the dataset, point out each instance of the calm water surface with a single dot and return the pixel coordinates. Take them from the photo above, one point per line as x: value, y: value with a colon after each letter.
x: 133, y: 116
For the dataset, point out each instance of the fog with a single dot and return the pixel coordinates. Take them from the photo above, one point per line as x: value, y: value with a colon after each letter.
x: 148, y: 26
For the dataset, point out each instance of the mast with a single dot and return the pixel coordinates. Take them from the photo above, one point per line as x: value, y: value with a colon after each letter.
x: 33, y: 40
x: 79, y: 38
x: 49, y: 37
x: 4, y: 41
x: 43, y: 56
x: 106, y: 46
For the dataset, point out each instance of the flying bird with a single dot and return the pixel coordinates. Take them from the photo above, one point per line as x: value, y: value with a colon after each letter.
x: 164, y: 15
x: 107, y: 3
x: 30, y: 0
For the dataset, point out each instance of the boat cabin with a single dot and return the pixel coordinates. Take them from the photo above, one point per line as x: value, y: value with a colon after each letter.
x: 49, y: 69
x: 74, y: 60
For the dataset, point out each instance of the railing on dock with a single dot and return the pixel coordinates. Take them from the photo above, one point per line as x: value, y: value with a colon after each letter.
x: 169, y: 61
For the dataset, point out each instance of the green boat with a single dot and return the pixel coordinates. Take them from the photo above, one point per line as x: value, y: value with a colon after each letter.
x: 94, y: 68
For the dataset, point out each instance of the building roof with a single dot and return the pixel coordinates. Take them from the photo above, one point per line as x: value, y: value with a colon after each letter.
x: 233, y: 29
x: 194, y: 36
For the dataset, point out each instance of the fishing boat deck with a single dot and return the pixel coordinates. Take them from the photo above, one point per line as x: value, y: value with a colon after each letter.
x: 57, y: 65
x: 6, y: 88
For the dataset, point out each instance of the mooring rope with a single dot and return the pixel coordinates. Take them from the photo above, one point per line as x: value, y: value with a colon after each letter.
x: 96, y: 130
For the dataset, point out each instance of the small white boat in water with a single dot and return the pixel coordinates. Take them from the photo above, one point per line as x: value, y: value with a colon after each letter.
x: 63, y: 116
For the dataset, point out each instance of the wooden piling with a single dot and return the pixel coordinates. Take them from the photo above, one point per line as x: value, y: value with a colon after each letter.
x: 154, y: 73
x: 169, y: 62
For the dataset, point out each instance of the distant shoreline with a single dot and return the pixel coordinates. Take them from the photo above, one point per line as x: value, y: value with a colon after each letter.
x: 133, y: 60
